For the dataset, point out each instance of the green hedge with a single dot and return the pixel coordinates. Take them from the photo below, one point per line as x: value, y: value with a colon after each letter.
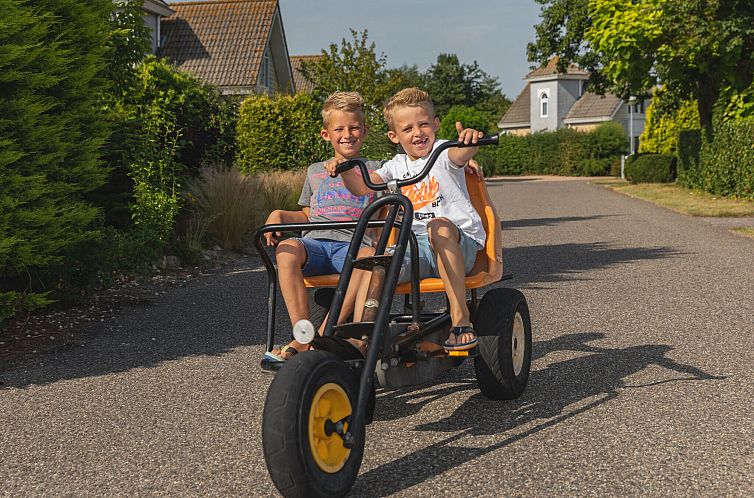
x: 689, y: 147
x: 726, y: 164
x: 279, y: 133
x: 563, y: 152
x: 651, y: 168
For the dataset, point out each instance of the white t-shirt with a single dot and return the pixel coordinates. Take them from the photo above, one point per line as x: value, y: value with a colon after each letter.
x: 442, y: 194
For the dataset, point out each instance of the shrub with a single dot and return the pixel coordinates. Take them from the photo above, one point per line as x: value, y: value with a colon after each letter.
x: 660, y: 135
x: 279, y: 133
x: 689, y: 146
x: 52, y: 129
x: 467, y: 116
x: 727, y: 162
x: 651, y: 168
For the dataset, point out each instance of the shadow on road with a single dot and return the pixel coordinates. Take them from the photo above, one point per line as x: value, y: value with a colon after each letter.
x: 547, y: 222
x: 558, y: 392
x: 222, y: 312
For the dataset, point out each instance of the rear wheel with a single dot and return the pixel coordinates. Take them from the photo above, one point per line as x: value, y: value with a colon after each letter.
x: 319, y: 305
x: 309, y: 403
x: 503, y: 329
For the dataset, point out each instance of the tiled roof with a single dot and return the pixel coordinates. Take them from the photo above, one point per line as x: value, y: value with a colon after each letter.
x: 221, y: 42
x: 552, y: 69
x: 302, y: 84
x: 593, y: 106
x: 518, y: 113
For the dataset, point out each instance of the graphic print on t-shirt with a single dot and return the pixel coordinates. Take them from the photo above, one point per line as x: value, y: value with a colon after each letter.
x: 333, y: 201
x: 423, y: 193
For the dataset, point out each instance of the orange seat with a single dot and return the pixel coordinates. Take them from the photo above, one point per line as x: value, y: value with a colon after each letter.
x: 488, y: 267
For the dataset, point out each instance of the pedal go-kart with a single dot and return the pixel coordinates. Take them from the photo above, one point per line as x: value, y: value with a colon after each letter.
x: 319, y: 403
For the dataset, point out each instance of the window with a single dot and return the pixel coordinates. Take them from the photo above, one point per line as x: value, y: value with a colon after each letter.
x: 264, y: 70
x: 543, y: 101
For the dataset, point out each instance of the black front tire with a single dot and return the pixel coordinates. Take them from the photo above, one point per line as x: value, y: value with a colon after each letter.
x: 503, y: 329
x: 290, y: 455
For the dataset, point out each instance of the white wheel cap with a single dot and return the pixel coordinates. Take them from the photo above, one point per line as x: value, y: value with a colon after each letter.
x: 303, y: 331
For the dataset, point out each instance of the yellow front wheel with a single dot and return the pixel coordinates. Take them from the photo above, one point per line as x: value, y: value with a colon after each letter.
x: 307, y: 411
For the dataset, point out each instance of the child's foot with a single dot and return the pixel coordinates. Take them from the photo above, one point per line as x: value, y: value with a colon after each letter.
x: 461, y: 339
x: 274, y: 360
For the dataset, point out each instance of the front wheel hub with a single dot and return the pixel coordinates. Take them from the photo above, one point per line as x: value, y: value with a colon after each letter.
x: 330, y: 406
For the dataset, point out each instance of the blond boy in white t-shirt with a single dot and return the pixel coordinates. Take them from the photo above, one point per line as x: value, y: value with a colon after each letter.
x: 447, y: 227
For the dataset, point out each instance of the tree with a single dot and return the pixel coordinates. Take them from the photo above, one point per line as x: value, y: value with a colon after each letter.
x: 52, y: 130
x: 451, y: 83
x: 694, y: 48
x: 352, y: 66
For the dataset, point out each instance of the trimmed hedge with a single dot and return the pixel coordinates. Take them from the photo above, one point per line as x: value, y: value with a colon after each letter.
x: 279, y: 133
x: 727, y: 162
x: 651, y: 168
x: 689, y: 146
x: 562, y: 152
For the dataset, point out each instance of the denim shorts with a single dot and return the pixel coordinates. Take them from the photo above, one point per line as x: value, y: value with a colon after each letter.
x: 428, y: 263
x: 324, y: 256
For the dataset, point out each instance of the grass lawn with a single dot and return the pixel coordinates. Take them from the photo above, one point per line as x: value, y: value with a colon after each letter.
x: 683, y: 200
x: 745, y: 231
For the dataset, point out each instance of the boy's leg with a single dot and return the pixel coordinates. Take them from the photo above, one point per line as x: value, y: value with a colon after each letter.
x: 350, y: 299
x: 291, y: 257
x: 444, y: 239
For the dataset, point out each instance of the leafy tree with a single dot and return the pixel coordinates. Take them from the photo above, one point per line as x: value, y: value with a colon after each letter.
x: 695, y: 48
x: 663, y: 124
x: 451, y: 83
x: 352, y: 66
x: 52, y: 130
x: 467, y: 116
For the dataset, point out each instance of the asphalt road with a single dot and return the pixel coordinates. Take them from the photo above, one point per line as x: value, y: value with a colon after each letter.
x: 642, y: 380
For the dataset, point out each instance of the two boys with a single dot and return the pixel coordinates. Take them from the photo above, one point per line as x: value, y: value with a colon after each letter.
x: 447, y: 226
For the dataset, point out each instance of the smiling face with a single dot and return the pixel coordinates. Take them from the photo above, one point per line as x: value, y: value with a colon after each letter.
x: 346, y: 132
x: 414, y: 127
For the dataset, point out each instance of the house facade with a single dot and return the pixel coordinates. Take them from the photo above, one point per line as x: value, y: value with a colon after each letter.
x: 552, y: 100
x: 237, y: 46
x: 154, y: 11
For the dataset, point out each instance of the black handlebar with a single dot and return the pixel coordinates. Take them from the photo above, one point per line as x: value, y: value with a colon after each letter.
x: 353, y: 163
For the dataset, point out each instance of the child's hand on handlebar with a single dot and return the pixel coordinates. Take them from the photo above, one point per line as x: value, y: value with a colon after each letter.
x: 467, y: 135
x: 330, y: 166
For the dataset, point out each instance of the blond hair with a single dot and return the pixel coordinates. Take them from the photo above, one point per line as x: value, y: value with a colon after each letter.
x: 408, y: 97
x: 345, y: 102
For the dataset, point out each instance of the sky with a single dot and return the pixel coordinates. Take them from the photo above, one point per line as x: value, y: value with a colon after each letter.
x: 492, y: 32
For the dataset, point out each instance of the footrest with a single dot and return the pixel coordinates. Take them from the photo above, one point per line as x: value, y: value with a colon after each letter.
x: 358, y: 330
x: 370, y: 262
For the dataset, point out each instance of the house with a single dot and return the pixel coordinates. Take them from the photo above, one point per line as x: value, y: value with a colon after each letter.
x: 237, y: 46
x: 154, y: 11
x: 301, y: 84
x: 552, y: 100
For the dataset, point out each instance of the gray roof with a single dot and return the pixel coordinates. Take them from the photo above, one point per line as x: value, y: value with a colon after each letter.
x: 594, y: 107
x: 518, y: 114
x: 551, y: 69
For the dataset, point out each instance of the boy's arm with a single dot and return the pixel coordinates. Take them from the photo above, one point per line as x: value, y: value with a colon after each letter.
x: 280, y: 216
x: 460, y: 156
x: 352, y: 179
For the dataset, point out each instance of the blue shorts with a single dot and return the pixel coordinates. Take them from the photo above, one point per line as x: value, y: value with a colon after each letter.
x: 324, y: 256
x: 428, y: 263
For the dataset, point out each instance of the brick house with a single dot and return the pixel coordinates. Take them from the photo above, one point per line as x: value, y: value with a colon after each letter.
x: 237, y: 46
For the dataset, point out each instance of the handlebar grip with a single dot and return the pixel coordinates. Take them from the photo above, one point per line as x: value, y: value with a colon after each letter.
x: 345, y: 167
x: 491, y: 140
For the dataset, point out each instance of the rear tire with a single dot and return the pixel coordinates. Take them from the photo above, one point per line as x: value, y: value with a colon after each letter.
x: 503, y: 329
x: 303, y: 460
x: 319, y: 305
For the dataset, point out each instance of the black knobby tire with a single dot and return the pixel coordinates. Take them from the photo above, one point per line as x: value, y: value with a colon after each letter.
x: 502, y: 366
x: 285, y: 426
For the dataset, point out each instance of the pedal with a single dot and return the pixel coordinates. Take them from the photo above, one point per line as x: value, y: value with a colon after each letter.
x: 370, y: 262
x: 358, y: 330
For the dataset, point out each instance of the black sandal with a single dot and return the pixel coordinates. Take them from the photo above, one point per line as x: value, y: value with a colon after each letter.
x: 463, y: 346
